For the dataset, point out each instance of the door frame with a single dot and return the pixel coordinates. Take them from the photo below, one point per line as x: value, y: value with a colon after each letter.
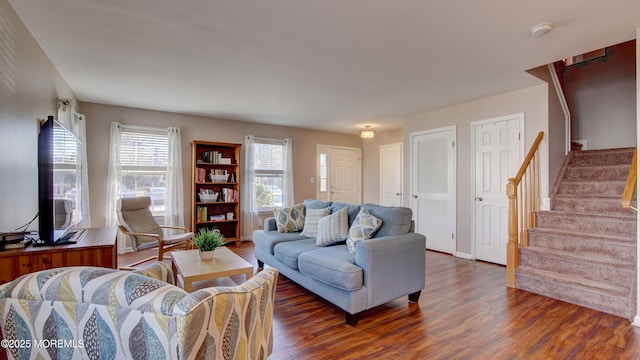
x: 401, y: 171
x: 454, y: 195
x: 472, y: 200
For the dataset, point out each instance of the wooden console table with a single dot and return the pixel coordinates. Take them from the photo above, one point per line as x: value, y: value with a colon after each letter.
x: 95, y: 248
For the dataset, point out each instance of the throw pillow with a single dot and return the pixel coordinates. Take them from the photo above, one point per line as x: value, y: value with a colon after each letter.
x: 363, y: 228
x: 312, y: 217
x: 289, y: 219
x: 333, y: 228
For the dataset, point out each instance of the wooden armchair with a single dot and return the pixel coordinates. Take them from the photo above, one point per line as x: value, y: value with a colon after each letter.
x: 138, y: 223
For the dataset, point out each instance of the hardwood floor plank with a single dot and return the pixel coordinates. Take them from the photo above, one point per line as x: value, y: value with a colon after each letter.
x: 465, y: 312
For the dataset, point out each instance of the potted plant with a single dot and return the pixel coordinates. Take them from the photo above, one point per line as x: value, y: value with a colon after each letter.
x: 207, y: 240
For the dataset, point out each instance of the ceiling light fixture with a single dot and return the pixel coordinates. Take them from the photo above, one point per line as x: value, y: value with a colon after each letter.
x: 367, y: 133
x: 541, y: 29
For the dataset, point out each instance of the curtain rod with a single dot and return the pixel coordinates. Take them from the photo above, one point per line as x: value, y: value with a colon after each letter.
x: 138, y: 127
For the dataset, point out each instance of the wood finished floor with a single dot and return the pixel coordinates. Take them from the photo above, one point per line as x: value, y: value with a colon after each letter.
x: 465, y: 312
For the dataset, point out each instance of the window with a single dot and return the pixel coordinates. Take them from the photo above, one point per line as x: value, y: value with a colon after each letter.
x: 268, y: 166
x: 144, y: 156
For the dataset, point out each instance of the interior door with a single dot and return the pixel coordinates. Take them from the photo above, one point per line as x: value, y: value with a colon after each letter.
x: 497, y: 154
x: 345, y: 175
x: 391, y: 175
x: 433, y: 187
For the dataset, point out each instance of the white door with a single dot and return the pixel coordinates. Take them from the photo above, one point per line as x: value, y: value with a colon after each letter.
x: 497, y: 156
x: 433, y: 187
x: 391, y: 175
x: 344, y: 175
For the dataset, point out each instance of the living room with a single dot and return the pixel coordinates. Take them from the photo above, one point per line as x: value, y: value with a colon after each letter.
x: 32, y: 85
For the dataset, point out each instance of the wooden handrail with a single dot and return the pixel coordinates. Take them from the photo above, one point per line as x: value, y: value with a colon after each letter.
x: 630, y: 187
x: 524, y: 203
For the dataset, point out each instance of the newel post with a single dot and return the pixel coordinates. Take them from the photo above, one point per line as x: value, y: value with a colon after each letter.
x: 513, y: 257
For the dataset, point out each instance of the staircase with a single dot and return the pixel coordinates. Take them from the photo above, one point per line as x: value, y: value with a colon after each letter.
x: 583, y: 251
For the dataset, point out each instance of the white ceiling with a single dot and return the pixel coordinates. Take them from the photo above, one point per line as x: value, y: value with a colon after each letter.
x: 334, y: 64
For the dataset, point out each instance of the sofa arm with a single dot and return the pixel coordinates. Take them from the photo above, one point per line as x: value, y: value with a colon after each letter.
x: 393, y: 266
x: 157, y: 270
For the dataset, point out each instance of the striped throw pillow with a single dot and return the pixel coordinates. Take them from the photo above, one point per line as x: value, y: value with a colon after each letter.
x: 311, y: 219
x: 333, y: 228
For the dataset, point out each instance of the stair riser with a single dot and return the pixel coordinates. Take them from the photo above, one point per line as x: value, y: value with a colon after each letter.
x: 596, y: 173
x: 626, y: 252
x: 616, y: 276
x: 589, y: 206
x: 604, y: 188
x: 614, y: 305
x: 587, y: 225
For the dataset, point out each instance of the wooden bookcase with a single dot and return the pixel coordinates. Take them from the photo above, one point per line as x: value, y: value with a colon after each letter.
x: 214, y: 198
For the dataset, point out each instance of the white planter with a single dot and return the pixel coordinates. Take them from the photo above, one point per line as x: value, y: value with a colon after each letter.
x: 206, y: 255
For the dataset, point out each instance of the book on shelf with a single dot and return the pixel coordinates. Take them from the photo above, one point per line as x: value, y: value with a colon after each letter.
x: 202, y: 214
x: 13, y: 237
x: 229, y: 195
x: 215, y: 157
x: 201, y: 175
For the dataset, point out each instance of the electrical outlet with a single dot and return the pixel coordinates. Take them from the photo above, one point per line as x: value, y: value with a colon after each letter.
x: 260, y: 222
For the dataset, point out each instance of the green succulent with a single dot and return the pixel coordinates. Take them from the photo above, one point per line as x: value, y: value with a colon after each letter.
x: 208, y: 239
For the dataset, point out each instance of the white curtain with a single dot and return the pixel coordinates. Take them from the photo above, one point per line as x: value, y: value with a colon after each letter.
x: 113, y: 183
x: 79, y: 128
x: 287, y: 181
x: 248, y: 206
x: 174, y: 198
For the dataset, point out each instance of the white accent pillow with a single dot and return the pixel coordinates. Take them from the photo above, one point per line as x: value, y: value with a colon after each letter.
x: 333, y: 228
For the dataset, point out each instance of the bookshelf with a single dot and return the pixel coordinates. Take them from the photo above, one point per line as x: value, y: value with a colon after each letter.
x: 215, y: 187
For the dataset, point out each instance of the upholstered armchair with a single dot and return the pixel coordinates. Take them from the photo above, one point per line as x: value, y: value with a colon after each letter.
x: 97, y: 313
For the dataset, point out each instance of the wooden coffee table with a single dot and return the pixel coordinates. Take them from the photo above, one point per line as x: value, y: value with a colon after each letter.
x: 187, y: 266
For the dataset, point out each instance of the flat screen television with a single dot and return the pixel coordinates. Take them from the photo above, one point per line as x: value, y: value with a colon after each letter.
x: 59, y: 182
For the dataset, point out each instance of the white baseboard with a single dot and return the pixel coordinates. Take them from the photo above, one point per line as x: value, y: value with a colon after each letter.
x: 636, y: 321
x: 546, y: 204
x: 463, y: 255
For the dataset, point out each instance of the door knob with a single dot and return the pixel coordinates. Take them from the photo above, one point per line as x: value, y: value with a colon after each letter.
x: 415, y: 196
x: 397, y: 194
x: 478, y: 199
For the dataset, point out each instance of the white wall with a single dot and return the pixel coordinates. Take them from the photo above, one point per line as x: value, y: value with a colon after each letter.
x: 533, y: 102
x: 29, y: 89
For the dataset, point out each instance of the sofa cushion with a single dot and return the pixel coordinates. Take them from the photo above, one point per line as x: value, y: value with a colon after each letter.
x: 316, y: 204
x: 267, y: 240
x: 395, y: 220
x: 363, y: 228
x: 288, y: 252
x: 333, y: 228
x: 311, y: 221
x: 289, y: 219
x: 332, y: 265
x: 352, y: 210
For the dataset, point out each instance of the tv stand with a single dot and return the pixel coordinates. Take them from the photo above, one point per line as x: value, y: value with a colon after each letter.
x: 97, y: 247
x: 72, y: 237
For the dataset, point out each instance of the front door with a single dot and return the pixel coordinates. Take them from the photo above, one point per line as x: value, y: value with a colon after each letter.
x: 497, y: 156
x: 344, y: 175
x: 433, y: 187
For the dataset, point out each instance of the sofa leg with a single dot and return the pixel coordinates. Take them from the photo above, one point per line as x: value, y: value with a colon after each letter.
x: 260, y: 264
x: 352, y: 319
x: 413, y: 298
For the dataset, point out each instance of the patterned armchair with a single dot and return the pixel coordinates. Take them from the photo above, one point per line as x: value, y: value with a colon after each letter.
x: 96, y: 313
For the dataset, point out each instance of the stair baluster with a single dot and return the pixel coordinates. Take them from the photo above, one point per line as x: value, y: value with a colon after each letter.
x: 524, y: 200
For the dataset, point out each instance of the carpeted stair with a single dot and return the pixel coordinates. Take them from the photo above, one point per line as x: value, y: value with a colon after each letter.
x: 583, y: 251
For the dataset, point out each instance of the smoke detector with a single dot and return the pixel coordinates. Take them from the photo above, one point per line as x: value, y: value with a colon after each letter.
x: 541, y: 29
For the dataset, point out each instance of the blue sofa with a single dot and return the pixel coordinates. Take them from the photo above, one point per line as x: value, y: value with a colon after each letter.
x: 389, y: 265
